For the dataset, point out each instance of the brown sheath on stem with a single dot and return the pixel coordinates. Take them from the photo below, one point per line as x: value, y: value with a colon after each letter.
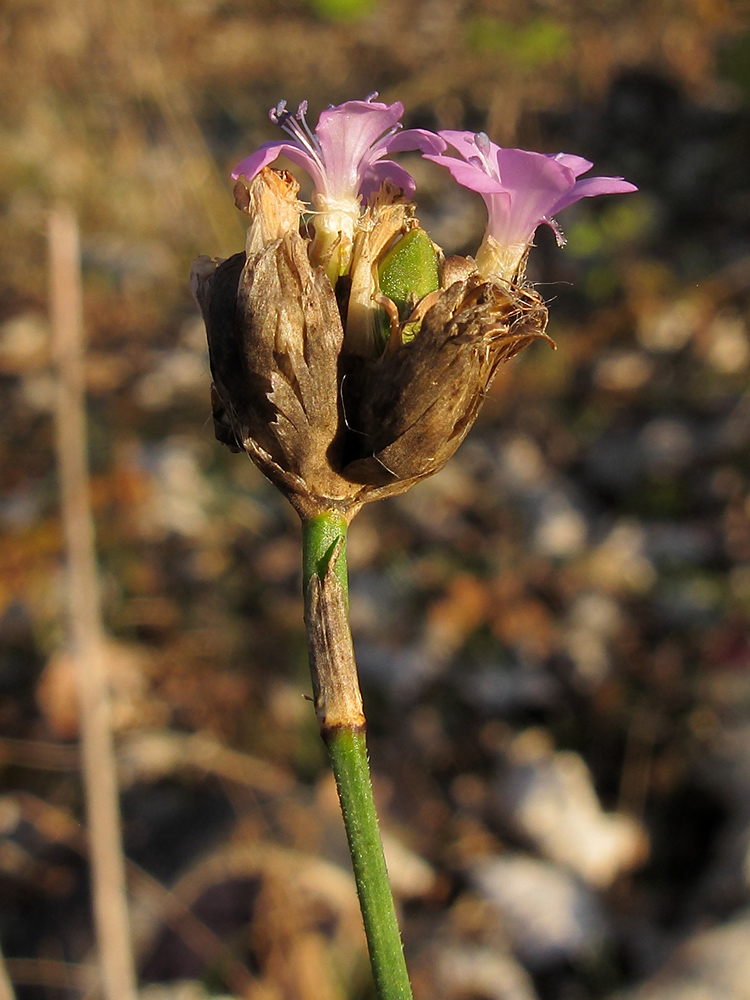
x: 338, y: 701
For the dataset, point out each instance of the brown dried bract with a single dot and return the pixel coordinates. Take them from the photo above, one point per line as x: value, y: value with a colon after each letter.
x: 416, y: 405
x: 330, y: 428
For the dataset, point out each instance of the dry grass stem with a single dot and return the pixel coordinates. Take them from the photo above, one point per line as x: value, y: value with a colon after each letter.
x: 50, y: 973
x: 86, y: 631
x: 6, y: 986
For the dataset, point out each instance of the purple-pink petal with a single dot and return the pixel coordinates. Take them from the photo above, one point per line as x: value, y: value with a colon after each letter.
x: 463, y: 142
x: 270, y: 151
x: 525, y: 172
x: 412, y: 138
x: 521, y: 189
x: 357, y: 124
x: 589, y: 187
x: 535, y: 184
x: 468, y: 175
x: 386, y: 170
x: 348, y: 142
x: 578, y: 164
x: 347, y: 135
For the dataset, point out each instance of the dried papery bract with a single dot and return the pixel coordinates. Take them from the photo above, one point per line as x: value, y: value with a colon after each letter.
x: 332, y: 425
x: 275, y: 338
x: 273, y: 206
x: 417, y: 404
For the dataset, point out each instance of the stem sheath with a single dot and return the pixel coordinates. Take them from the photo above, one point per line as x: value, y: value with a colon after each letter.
x: 338, y: 704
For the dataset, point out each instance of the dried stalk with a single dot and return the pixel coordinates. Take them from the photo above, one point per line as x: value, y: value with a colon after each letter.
x: 86, y: 630
x: 6, y: 986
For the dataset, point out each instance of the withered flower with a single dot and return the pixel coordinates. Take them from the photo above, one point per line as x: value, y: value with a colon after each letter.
x: 351, y: 362
x: 340, y: 394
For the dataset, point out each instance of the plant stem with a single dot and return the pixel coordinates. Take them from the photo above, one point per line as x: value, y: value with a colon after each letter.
x: 84, y: 610
x: 338, y: 704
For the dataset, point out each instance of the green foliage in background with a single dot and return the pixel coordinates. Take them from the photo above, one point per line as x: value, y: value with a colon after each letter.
x: 341, y: 10
x: 539, y: 42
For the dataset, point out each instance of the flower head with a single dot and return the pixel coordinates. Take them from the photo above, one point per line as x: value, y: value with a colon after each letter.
x: 346, y: 157
x: 522, y: 190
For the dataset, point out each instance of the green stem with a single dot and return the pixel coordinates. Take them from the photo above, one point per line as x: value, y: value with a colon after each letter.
x: 338, y: 705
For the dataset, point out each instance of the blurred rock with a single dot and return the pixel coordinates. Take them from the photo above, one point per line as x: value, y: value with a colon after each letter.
x: 180, y: 492
x: 620, y: 561
x: 668, y: 444
x: 475, y: 971
x: 522, y: 463
x: 550, y: 916
x: 549, y: 799
x: 728, y: 349
x: 623, y: 370
x: 667, y: 326
x: 173, y: 374
x: 506, y: 687
x: 593, y: 620
x: 561, y: 528
x: 24, y: 344
x: 710, y: 965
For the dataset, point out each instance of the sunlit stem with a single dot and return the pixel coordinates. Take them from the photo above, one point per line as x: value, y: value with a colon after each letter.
x: 338, y: 705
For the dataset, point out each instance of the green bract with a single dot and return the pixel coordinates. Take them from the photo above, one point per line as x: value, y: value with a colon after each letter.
x: 408, y: 272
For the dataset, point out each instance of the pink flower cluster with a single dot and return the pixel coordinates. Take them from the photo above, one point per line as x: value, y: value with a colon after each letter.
x: 347, y: 156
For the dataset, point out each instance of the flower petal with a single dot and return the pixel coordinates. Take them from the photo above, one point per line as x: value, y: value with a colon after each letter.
x: 463, y: 142
x: 536, y: 184
x: 591, y: 186
x: 270, y: 151
x: 578, y: 164
x: 386, y: 170
x: 469, y: 175
x: 347, y: 134
x: 412, y: 138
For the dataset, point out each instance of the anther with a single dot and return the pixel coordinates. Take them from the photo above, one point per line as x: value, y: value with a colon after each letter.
x: 482, y: 142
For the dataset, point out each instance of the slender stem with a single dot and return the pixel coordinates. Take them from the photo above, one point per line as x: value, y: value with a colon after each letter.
x: 347, y: 750
x: 338, y: 704
x: 84, y: 611
x: 6, y: 986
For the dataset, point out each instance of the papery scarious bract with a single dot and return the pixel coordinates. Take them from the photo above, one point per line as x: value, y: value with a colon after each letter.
x: 346, y: 157
x: 521, y: 190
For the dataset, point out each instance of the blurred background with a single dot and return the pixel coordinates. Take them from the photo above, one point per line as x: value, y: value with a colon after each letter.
x: 553, y: 633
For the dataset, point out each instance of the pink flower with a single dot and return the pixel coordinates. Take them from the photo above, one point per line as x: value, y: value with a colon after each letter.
x: 346, y: 157
x: 522, y: 190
